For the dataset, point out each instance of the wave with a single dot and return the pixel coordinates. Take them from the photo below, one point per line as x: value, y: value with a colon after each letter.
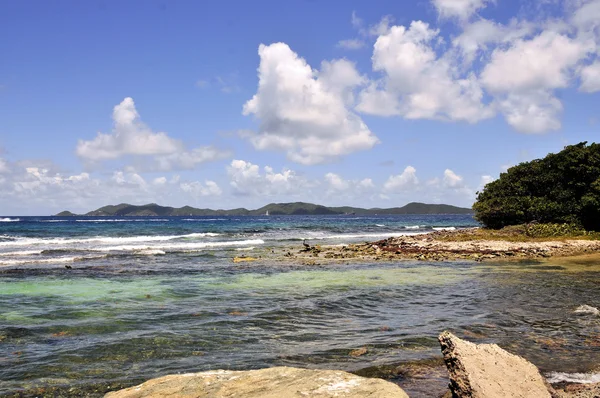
x: 53, y: 260
x: 21, y: 253
x: 362, y: 235
x: 204, y: 219
x: 557, y: 377
x: 122, y: 220
x: 7, y: 219
x: 150, y: 252
x: 18, y: 241
x: 444, y: 228
x: 180, y: 246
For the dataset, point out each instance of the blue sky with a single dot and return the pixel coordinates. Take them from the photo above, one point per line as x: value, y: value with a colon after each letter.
x: 228, y: 104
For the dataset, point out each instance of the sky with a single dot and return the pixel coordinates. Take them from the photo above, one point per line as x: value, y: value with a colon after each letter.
x: 238, y: 104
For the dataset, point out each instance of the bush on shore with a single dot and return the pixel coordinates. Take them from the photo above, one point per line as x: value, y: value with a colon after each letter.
x: 562, y: 188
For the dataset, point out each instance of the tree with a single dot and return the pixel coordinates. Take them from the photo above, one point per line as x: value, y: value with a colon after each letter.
x: 562, y: 187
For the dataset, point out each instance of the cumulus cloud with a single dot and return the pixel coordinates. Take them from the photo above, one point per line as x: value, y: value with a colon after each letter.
x: 453, y: 180
x: 590, y: 78
x: 247, y: 179
x: 513, y: 69
x: 461, y: 9
x: 197, y: 189
x: 405, y: 181
x: 304, y: 112
x: 337, y: 184
x: 523, y: 76
x: 38, y: 188
x: 4, y: 166
x: 543, y: 62
x: 130, y: 136
x: 417, y: 83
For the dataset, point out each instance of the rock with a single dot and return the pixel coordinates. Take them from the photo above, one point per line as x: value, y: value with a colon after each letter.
x: 488, y: 371
x: 589, y: 390
x: 264, y: 383
x: 243, y: 259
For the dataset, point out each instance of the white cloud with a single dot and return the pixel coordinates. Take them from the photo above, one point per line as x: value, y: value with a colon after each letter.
x: 160, y: 181
x: 453, y: 180
x: 532, y: 112
x: 523, y: 76
x: 461, y: 9
x: 246, y: 179
x: 418, y: 84
x: 401, y: 182
x: 483, y: 33
x: 197, y: 189
x: 39, y: 189
x: 302, y: 112
x: 587, y: 16
x: 543, y: 62
x: 351, y: 44
x: 130, y: 136
x: 336, y: 182
x: 485, y: 179
x: 590, y: 78
x: 4, y: 168
x: 186, y: 160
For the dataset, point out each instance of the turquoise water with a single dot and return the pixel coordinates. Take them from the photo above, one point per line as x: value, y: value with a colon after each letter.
x: 148, y: 298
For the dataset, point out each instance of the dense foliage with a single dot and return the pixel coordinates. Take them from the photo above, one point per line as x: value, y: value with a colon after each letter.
x: 563, y: 187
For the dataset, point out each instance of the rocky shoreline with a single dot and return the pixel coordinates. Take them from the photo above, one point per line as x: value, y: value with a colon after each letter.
x: 475, y: 371
x: 466, y: 244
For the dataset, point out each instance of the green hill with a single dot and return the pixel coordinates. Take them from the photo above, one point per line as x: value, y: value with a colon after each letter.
x: 296, y: 208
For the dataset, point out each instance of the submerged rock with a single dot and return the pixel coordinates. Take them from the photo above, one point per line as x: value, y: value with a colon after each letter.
x: 275, y: 382
x: 488, y: 371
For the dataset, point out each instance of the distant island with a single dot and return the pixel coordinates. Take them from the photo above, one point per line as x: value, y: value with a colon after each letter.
x: 275, y: 209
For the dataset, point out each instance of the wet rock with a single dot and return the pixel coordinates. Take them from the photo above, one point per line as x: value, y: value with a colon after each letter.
x: 264, y: 383
x: 488, y: 371
x: 567, y: 390
x: 243, y: 259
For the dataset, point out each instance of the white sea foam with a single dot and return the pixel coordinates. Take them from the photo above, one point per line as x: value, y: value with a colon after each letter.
x: 380, y: 225
x: 587, y: 309
x: 53, y: 260
x: 412, y: 227
x: 122, y: 220
x: 54, y: 220
x: 365, y: 235
x: 180, y: 246
x: 557, y: 377
x: 21, y: 253
x: 6, y: 219
x: 18, y: 241
x: 444, y: 228
x: 150, y: 252
x: 204, y: 219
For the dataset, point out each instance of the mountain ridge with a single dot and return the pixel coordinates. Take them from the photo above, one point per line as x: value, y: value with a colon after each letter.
x: 293, y: 208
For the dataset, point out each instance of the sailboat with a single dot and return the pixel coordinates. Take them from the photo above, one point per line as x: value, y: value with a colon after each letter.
x: 267, y: 213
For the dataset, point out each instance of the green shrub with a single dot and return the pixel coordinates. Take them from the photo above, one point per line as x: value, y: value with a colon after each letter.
x: 562, y: 188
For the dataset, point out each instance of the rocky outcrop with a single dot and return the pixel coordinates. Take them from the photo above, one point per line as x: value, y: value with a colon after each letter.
x: 275, y: 382
x: 487, y: 371
x: 576, y: 390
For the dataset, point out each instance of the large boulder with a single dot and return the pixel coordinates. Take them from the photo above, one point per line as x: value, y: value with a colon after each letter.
x: 487, y: 371
x: 275, y: 382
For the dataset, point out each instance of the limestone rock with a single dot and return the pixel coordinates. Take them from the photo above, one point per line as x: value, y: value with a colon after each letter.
x: 589, y: 390
x: 275, y: 382
x: 487, y: 371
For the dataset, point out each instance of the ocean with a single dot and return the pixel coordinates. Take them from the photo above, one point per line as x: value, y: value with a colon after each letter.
x: 92, y: 304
